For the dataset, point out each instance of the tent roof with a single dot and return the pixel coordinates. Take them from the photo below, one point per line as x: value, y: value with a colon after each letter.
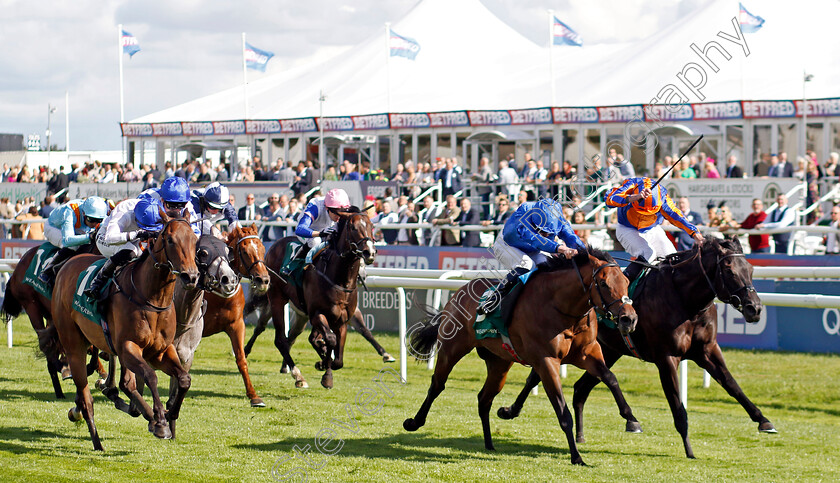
x: 472, y: 60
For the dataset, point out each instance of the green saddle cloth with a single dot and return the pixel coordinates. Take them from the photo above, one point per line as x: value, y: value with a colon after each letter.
x: 43, y: 255
x: 81, y: 303
x: 294, y: 267
x: 495, y: 324
x: 631, y: 292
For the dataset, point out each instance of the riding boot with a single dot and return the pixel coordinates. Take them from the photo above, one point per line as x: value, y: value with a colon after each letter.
x: 495, y: 299
x: 50, y: 270
x: 301, y: 252
x: 634, y: 269
x: 95, y: 291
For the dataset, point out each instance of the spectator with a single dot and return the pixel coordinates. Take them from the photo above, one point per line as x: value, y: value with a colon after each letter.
x: 131, y: 174
x: 832, y: 240
x: 260, y: 173
x: 222, y: 175
x: 286, y: 174
x: 469, y: 216
x: 451, y: 178
x: 203, y: 175
x: 725, y: 222
x: 801, y: 168
x: 49, y: 206
x: 762, y: 168
x: 275, y: 211
x: 732, y: 168
x: 684, y: 241
x: 350, y: 173
x: 711, y: 213
x: 596, y: 173
x: 522, y: 197
x: 482, y: 178
x: 168, y: 171
x: 785, y: 168
x: 831, y: 165
x: 686, y: 172
x: 330, y: 175
x: 427, y: 215
x: 758, y: 243
x: 578, y: 218
x: 448, y: 216
x: 509, y: 179
x: 388, y: 217
x: 250, y: 212
x: 711, y: 170
x: 406, y: 236
x: 32, y: 231
x: 503, y: 212
x: 625, y: 168
x: 303, y: 180
x: 400, y: 175
x: 58, y: 182
x: 783, y: 216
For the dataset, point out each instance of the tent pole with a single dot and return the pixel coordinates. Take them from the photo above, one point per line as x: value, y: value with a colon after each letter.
x: 388, y: 62
x: 244, y: 78
x: 551, y: 57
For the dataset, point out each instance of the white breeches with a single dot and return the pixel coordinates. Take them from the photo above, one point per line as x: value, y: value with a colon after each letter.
x: 651, y: 244
x: 111, y: 250
x: 511, y: 257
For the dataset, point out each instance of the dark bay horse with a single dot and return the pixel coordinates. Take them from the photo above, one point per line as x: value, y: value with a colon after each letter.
x: 329, y: 294
x: 224, y: 309
x: 678, y: 320
x: 550, y: 326
x: 20, y: 296
x: 141, y: 321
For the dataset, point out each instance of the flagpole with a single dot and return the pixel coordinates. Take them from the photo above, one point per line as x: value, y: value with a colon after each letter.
x: 244, y: 76
x: 122, y: 95
x: 388, y: 61
x: 67, y: 122
x: 551, y: 57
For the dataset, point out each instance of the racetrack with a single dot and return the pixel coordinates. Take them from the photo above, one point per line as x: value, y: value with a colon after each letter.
x: 220, y: 438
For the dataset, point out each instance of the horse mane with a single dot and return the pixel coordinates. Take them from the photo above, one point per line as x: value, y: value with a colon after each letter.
x: 557, y: 261
x: 678, y: 258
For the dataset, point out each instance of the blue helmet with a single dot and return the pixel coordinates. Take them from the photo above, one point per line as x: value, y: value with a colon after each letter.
x: 147, y: 214
x: 216, y: 195
x: 94, y: 208
x: 175, y: 190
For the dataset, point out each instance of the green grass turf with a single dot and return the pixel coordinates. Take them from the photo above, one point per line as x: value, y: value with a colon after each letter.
x: 220, y: 438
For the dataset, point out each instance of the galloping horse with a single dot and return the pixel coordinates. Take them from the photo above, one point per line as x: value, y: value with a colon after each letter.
x: 224, y: 310
x: 550, y: 325
x: 677, y: 320
x: 21, y: 296
x: 329, y: 295
x: 139, y: 323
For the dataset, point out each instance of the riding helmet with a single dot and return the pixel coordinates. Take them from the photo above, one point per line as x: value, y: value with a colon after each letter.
x: 147, y: 214
x: 175, y: 190
x: 337, y: 198
x: 216, y: 195
x: 95, y: 208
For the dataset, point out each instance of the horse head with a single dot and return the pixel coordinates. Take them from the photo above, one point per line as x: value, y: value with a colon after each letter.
x: 609, y: 293
x: 248, y: 255
x: 731, y: 276
x: 174, y: 249
x: 355, y: 235
x: 211, y: 257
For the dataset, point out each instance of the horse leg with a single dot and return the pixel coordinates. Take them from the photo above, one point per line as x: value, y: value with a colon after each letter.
x: 75, y: 347
x: 497, y: 370
x: 549, y: 372
x: 359, y: 324
x: 594, y: 364
x: 713, y: 362
x: 54, y: 367
x: 53, y: 371
x: 668, y: 377
x: 132, y: 357
x: 236, y: 333
x: 330, y: 341
x: 583, y: 387
x: 185, y: 345
x: 262, y: 323
x: 338, y: 360
x: 282, y: 342
x: 449, y: 353
x: 170, y: 364
x: 137, y: 405
x: 514, y: 410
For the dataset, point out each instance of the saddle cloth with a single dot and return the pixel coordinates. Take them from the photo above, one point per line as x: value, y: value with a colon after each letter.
x: 43, y: 255
x: 495, y: 324
x: 82, y: 304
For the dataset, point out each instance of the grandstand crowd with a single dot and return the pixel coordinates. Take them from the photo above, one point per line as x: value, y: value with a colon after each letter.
x: 486, y: 197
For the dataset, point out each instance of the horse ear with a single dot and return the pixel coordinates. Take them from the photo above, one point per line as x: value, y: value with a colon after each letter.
x: 163, y: 216
x: 187, y: 214
x: 736, y: 242
x: 226, y: 237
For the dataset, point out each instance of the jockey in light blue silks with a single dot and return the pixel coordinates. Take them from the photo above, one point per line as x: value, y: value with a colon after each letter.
x: 528, y: 235
x: 70, y: 226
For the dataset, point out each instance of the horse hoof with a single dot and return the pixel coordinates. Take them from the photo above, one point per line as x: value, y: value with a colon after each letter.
x: 74, y: 414
x: 580, y: 440
x: 301, y: 384
x: 99, y: 384
x: 66, y: 374
x: 327, y: 381
x: 411, y: 425
x: 161, y: 431
x: 633, y: 427
x: 579, y: 462
x: 257, y: 403
x: 284, y: 370
x: 110, y: 392
x: 767, y: 427
x: 319, y: 365
x: 506, y: 413
x: 388, y: 358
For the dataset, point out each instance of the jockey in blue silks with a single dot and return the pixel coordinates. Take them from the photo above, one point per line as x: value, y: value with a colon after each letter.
x: 70, y: 226
x: 527, y: 236
x: 213, y: 203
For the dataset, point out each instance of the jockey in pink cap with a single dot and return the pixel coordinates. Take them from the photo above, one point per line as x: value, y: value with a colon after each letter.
x: 317, y: 223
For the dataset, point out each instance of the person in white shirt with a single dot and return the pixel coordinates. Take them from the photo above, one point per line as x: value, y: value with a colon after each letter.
x: 832, y: 240
x: 782, y: 216
x: 509, y: 178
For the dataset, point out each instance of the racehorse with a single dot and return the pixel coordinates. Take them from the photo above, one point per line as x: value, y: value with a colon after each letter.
x: 549, y: 326
x: 20, y: 296
x: 328, y: 295
x: 139, y: 323
x: 224, y: 309
x: 678, y: 320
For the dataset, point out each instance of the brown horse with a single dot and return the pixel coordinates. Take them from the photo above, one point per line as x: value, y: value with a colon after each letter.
x: 677, y: 321
x: 224, y: 311
x: 20, y: 296
x: 329, y: 295
x: 550, y: 326
x: 140, y: 321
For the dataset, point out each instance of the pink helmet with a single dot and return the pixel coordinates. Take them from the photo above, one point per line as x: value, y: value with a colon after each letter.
x: 337, y: 198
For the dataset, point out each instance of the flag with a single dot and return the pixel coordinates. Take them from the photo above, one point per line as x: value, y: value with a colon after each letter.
x: 562, y: 34
x: 256, y: 58
x: 129, y: 44
x: 403, y: 46
x: 749, y: 23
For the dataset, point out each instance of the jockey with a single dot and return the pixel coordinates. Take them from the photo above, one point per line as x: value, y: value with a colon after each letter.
x: 131, y: 222
x: 70, y: 226
x: 528, y: 234
x: 174, y: 197
x: 213, y: 203
x: 641, y: 210
x: 317, y: 223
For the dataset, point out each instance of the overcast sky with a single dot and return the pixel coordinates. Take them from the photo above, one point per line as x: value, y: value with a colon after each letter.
x: 192, y: 48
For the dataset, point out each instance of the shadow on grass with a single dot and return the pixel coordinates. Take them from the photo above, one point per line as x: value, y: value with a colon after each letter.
x: 33, y: 441
x: 16, y: 394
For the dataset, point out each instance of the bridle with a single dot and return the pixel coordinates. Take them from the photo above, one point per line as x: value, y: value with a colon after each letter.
x: 158, y: 266
x: 604, y: 310
x: 167, y: 265
x: 733, y: 299
x: 248, y: 268
x: 357, y: 248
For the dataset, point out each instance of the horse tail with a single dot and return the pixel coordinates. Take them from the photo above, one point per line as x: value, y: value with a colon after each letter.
x: 11, y: 307
x: 50, y: 345
x: 256, y: 302
x: 423, y: 337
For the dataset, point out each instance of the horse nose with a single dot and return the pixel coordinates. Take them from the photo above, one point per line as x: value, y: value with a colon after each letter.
x: 189, y: 279
x: 263, y: 283
x: 627, y: 324
x: 752, y: 313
